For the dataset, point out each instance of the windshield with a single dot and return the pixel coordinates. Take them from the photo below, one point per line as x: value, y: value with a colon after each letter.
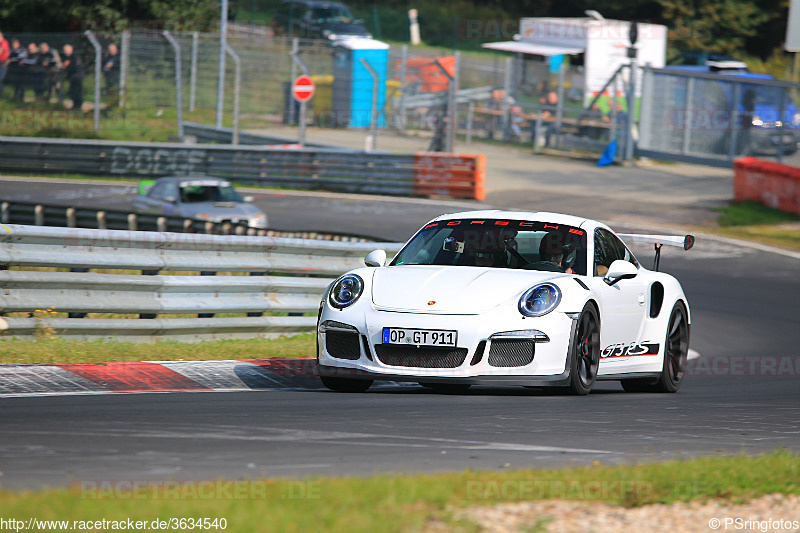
x: 332, y: 14
x: 208, y: 192
x: 498, y: 243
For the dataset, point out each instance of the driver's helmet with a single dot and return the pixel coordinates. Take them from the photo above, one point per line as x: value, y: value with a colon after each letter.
x: 553, y: 247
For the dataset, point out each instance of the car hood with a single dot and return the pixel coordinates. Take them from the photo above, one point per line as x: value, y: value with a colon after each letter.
x: 452, y: 289
x: 219, y: 210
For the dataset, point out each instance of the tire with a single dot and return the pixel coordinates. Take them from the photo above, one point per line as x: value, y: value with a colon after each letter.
x: 676, y: 354
x: 584, y: 354
x: 346, y: 384
x: 447, y: 388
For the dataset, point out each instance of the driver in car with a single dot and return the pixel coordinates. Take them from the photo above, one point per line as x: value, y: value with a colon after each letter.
x: 551, y: 254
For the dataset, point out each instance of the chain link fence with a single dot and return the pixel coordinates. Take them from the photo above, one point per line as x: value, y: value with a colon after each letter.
x: 714, y: 118
x: 690, y: 116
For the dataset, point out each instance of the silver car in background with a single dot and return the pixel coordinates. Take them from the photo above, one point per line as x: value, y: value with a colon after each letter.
x: 198, y: 197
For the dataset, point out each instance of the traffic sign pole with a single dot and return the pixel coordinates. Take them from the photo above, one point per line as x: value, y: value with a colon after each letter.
x: 302, y: 136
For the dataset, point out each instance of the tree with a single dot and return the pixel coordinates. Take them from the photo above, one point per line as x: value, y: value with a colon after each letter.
x: 65, y: 15
x: 719, y: 27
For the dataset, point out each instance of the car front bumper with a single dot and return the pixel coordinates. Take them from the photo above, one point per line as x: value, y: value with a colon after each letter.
x: 351, y: 345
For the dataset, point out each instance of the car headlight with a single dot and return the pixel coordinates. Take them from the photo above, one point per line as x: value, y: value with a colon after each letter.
x: 346, y: 290
x: 757, y: 122
x: 539, y: 300
x: 796, y: 119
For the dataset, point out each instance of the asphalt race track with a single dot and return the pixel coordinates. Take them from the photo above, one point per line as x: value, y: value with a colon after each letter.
x: 60, y: 440
x: 742, y: 396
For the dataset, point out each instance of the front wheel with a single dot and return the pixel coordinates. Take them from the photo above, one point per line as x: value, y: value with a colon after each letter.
x: 676, y: 354
x: 346, y: 384
x: 585, y: 354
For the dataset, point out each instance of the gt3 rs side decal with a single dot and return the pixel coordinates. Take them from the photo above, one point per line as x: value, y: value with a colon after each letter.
x: 630, y: 350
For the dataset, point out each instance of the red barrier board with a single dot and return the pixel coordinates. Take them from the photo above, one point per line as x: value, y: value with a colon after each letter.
x: 771, y: 184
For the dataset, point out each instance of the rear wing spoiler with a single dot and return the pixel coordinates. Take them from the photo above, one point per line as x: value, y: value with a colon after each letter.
x: 686, y: 242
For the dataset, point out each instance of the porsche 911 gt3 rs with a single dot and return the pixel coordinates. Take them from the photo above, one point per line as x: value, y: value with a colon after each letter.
x: 507, y: 298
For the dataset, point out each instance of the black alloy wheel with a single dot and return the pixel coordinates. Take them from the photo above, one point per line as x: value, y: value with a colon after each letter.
x: 585, y: 356
x: 676, y: 355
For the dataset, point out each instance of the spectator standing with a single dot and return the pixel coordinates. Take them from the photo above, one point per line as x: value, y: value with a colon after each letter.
x: 51, y: 62
x: 74, y: 72
x: 32, y: 72
x: 111, y: 67
x: 15, y: 74
x: 5, y: 52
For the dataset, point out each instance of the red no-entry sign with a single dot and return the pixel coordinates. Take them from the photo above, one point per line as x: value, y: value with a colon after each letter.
x: 303, y: 89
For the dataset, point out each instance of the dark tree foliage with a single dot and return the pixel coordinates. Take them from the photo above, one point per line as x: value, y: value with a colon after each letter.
x: 752, y: 27
x: 21, y: 16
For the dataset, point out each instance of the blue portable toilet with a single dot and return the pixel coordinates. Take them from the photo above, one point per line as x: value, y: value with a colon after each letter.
x: 352, y: 82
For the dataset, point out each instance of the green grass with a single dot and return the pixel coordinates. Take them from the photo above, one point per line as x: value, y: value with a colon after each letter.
x: 60, y: 351
x: 389, y: 503
x: 752, y: 221
x: 51, y: 120
x: 749, y: 213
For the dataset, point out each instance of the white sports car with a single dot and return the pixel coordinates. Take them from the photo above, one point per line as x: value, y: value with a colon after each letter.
x: 507, y: 298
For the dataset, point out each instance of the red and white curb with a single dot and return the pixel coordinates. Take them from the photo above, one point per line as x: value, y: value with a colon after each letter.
x: 163, y: 376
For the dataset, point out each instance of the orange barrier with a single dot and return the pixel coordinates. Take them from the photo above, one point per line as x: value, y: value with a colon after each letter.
x: 423, y: 70
x: 772, y: 184
x: 453, y: 175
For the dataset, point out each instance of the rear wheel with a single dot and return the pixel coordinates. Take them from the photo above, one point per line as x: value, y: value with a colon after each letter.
x: 676, y: 353
x: 447, y: 388
x: 346, y: 384
x: 585, y: 356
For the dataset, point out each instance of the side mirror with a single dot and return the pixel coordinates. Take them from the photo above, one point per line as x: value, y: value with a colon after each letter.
x: 376, y: 258
x: 170, y: 199
x: 620, y: 270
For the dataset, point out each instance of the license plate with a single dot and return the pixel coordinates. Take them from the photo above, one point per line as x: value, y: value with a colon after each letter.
x: 420, y: 337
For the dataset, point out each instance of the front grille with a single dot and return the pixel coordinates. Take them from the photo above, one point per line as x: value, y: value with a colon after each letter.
x: 342, y: 345
x: 420, y: 357
x: 511, y: 352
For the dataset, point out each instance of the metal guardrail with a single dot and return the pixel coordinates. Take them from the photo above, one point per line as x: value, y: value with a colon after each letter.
x: 285, y: 276
x: 463, y: 96
x: 211, y: 134
x: 379, y: 173
x: 37, y: 214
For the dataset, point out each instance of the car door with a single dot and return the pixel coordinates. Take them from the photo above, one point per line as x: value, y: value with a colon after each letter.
x: 150, y: 204
x: 161, y: 200
x: 622, y: 305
